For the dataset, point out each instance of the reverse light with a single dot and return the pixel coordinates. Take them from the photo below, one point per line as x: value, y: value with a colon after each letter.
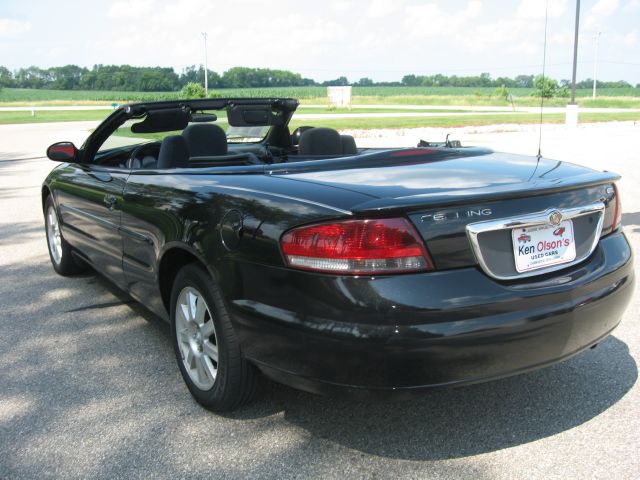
x: 617, y: 212
x: 357, y: 247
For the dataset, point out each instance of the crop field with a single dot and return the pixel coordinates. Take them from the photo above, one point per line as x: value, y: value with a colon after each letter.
x: 458, y: 121
x: 618, y: 97
x: 338, y: 122
x: 47, y: 116
x: 389, y: 99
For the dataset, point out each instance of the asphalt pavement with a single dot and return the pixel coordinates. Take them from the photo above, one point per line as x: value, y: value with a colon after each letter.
x: 89, y: 387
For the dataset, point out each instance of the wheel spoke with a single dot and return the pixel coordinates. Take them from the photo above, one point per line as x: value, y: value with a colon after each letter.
x: 203, y: 373
x: 192, y: 299
x: 183, y: 335
x: 201, y: 310
x: 210, y: 350
x: 211, y: 369
x: 184, y: 312
x: 189, y: 359
x: 207, y: 329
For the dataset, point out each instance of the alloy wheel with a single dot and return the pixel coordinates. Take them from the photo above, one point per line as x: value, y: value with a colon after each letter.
x: 196, y: 336
x: 54, y: 238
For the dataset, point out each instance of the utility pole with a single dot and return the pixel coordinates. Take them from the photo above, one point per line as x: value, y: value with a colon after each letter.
x: 206, y: 68
x: 596, y: 39
x: 571, y: 118
x: 575, y: 55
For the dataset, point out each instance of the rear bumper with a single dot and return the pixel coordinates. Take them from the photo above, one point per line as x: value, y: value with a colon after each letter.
x: 331, y: 334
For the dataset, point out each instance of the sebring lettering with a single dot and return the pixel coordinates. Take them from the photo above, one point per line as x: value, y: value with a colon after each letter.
x: 443, y: 216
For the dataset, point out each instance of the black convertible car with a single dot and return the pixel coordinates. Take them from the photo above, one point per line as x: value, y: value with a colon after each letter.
x: 334, y: 268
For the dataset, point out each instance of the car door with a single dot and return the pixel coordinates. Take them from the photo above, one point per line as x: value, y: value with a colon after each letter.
x: 89, y: 199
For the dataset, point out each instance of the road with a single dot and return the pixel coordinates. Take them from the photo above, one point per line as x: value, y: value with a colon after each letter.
x: 90, y: 388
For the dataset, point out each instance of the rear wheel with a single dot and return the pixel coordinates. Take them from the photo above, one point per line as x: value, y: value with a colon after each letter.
x: 60, y: 251
x: 206, y: 347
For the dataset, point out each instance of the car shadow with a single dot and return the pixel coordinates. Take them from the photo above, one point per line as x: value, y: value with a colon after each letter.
x: 466, y: 421
x: 632, y: 220
x: 449, y: 423
x: 103, y: 325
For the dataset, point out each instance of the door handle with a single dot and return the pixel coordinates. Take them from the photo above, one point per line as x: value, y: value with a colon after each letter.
x: 110, y: 201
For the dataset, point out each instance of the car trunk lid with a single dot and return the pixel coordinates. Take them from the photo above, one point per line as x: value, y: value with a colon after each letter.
x: 443, y: 193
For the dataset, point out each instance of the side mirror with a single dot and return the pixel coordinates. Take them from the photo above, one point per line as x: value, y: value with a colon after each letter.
x: 63, y: 152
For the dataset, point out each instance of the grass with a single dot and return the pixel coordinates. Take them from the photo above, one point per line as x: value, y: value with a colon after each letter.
x: 45, y: 116
x: 470, y: 100
x: 396, y: 96
x: 457, y: 121
x: 302, y: 110
x: 344, y: 123
x: 55, y: 116
x: 69, y: 97
x: 609, y: 97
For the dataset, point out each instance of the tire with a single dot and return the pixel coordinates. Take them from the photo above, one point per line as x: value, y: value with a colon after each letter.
x: 60, y: 252
x: 206, y: 347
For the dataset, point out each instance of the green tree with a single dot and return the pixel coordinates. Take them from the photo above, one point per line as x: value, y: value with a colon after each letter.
x: 524, y: 81
x: 503, y: 92
x: 6, y: 77
x: 193, y: 90
x: 365, y: 82
x: 338, y: 82
x: 411, y: 80
x: 544, y: 87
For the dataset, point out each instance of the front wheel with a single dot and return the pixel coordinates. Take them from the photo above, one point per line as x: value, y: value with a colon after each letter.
x: 60, y: 251
x: 206, y: 347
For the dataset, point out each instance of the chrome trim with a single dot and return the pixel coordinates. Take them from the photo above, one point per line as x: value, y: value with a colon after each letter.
x: 530, y: 220
x: 107, y: 224
x: 89, y: 216
x: 135, y: 235
x: 287, y: 197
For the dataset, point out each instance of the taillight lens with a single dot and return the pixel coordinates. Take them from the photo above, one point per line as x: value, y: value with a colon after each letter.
x: 617, y: 215
x: 357, y: 247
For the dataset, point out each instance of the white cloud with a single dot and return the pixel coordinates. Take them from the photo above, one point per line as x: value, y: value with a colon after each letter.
x: 535, y: 9
x: 9, y: 26
x: 631, y: 38
x: 562, y: 38
x: 601, y: 10
x: 430, y: 20
x: 383, y: 8
x: 341, y: 5
x: 130, y: 8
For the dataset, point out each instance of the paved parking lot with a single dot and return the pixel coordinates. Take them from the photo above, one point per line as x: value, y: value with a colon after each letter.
x: 89, y: 387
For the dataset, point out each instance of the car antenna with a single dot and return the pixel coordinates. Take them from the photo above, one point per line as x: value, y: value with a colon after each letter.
x: 544, y: 64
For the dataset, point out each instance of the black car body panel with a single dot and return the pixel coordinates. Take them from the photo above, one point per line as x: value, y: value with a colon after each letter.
x: 325, y: 332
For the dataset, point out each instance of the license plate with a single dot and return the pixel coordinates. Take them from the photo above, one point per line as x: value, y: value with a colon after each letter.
x: 543, y: 246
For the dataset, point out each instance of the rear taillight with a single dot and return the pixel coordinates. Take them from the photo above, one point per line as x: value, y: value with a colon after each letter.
x: 357, y: 247
x: 617, y: 212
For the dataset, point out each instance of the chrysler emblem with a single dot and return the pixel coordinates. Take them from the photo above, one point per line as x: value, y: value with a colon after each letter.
x: 555, y: 217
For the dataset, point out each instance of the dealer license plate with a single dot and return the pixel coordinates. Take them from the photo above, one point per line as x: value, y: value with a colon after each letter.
x: 542, y: 246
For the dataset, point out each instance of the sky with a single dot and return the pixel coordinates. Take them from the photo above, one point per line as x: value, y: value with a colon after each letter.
x: 379, y: 39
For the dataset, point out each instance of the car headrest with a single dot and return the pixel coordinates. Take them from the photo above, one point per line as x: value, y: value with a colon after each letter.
x: 348, y: 144
x: 297, y: 133
x: 174, y: 152
x: 320, y: 141
x: 205, y: 139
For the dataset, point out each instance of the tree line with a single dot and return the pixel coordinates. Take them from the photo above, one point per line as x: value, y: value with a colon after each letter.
x: 165, y: 79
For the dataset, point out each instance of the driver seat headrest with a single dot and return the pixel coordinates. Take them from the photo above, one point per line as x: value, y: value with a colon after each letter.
x: 205, y: 139
x: 174, y: 152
